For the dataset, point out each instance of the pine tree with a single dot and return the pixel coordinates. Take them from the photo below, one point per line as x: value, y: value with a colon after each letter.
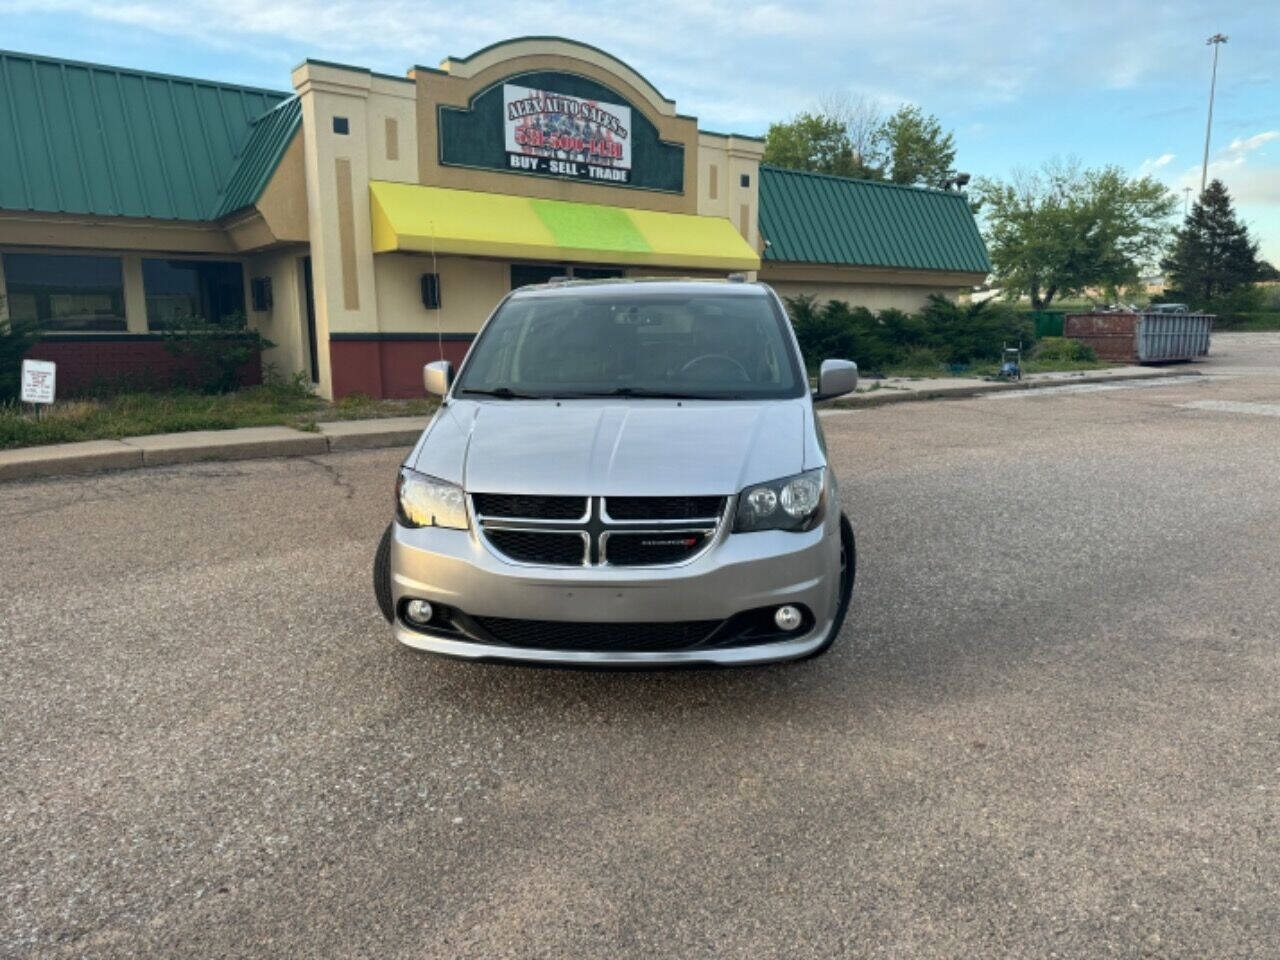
x: 1212, y: 255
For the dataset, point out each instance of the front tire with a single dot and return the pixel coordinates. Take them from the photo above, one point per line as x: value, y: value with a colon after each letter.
x: 848, y: 573
x: 382, y: 576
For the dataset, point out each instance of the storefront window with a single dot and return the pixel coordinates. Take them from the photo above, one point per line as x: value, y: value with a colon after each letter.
x: 524, y: 274
x: 180, y: 292
x: 66, y: 293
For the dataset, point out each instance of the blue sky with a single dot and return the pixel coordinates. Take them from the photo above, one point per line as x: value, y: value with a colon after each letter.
x: 1119, y: 82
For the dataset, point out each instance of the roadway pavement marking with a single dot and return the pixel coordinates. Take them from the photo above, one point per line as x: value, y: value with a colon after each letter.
x: 1099, y: 387
x: 1234, y: 406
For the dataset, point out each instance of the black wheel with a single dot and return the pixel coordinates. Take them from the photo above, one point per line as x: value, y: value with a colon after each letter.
x: 382, y: 575
x: 848, y: 573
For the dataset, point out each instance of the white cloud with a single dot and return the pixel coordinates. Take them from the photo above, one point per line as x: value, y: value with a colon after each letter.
x: 767, y: 57
x: 1240, y: 148
x: 1152, y: 164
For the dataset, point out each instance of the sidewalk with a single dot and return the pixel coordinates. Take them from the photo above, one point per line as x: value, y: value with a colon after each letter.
x: 243, y: 444
x: 254, y: 442
x: 903, y: 390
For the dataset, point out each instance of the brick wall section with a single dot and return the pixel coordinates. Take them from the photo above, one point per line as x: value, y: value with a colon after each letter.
x: 85, y: 363
x: 388, y: 368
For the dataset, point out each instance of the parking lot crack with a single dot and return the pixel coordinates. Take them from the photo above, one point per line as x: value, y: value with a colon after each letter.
x: 335, y: 475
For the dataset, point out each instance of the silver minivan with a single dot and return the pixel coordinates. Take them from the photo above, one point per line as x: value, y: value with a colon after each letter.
x: 623, y: 473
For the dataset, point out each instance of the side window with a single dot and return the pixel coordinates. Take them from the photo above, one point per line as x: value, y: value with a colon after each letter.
x: 524, y: 274
x: 66, y: 293
x: 184, y: 290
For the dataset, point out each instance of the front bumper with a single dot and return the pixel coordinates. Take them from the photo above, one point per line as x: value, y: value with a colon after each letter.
x: 738, y: 572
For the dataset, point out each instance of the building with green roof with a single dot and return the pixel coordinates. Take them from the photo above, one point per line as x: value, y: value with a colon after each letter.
x: 368, y: 223
x: 873, y: 244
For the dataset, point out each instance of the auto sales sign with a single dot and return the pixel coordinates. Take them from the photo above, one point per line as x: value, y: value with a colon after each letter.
x: 559, y: 135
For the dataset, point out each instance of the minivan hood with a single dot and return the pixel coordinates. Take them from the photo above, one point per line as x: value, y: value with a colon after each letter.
x: 614, y: 448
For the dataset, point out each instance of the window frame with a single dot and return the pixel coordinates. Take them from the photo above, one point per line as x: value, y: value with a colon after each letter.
x: 49, y: 325
x: 202, y: 295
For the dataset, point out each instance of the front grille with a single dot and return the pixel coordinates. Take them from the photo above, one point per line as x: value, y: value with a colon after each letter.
x: 527, y: 506
x: 543, y: 547
x: 565, y: 635
x: 653, y: 548
x: 663, y: 508
x: 557, y: 531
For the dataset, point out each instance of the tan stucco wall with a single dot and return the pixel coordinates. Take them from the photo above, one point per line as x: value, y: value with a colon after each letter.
x: 392, y: 158
x: 722, y: 163
x: 469, y: 290
x: 459, y: 81
x: 285, y: 323
x: 501, y: 53
x: 70, y: 231
x: 875, y: 288
x: 873, y: 296
x: 283, y: 204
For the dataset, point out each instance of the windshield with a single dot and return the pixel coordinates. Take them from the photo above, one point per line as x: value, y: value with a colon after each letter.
x: 692, y: 346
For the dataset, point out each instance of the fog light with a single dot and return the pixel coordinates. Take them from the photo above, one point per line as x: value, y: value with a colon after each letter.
x: 418, y: 611
x: 787, y: 618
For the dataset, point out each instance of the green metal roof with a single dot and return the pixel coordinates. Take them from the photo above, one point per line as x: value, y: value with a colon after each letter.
x: 271, y: 135
x: 816, y: 218
x: 91, y: 139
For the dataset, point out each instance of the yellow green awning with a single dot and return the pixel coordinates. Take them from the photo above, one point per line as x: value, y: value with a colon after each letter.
x: 421, y: 219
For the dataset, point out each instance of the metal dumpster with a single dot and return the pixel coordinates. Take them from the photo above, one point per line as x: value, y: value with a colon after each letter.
x: 1142, y: 337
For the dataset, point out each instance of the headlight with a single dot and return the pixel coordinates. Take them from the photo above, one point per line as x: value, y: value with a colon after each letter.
x: 792, y: 503
x: 423, y: 501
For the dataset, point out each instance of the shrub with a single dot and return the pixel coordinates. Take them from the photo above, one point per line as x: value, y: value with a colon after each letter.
x: 923, y: 359
x: 1234, y: 308
x: 1064, y: 348
x: 942, y: 334
x: 219, y: 349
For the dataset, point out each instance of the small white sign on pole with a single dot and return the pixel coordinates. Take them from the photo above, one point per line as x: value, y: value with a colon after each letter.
x: 38, y: 381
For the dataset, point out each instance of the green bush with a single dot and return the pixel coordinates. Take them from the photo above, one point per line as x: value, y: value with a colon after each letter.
x: 219, y: 349
x: 1064, y: 349
x: 942, y: 334
x: 1234, y: 309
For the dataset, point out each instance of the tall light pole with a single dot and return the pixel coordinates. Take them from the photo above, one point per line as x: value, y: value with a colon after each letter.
x: 1215, y: 41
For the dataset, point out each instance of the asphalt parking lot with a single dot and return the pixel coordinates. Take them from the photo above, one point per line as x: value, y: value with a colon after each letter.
x: 1051, y: 727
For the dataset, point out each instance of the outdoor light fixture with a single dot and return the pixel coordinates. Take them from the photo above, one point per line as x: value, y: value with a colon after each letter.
x: 958, y: 181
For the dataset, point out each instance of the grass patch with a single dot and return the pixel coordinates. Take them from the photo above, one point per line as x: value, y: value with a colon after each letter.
x: 137, y: 414
x: 1257, y: 321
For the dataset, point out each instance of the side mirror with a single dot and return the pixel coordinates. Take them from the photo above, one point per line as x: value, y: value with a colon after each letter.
x: 836, y: 378
x: 437, y: 377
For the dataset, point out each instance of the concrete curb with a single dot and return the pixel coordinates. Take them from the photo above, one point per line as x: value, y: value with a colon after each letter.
x: 87, y: 456
x: 245, y: 443
x: 358, y: 435
x: 883, y: 398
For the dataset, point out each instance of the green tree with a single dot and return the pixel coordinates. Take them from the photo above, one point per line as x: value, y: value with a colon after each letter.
x: 1057, y: 231
x: 812, y: 141
x: 1212, y: 256
x: 919, y: 151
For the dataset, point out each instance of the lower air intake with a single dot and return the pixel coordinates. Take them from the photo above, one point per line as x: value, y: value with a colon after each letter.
x: 565, y: 635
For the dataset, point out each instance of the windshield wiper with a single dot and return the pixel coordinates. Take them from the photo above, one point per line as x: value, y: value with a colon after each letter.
x: 502, y: 393
x: 649, y: 394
